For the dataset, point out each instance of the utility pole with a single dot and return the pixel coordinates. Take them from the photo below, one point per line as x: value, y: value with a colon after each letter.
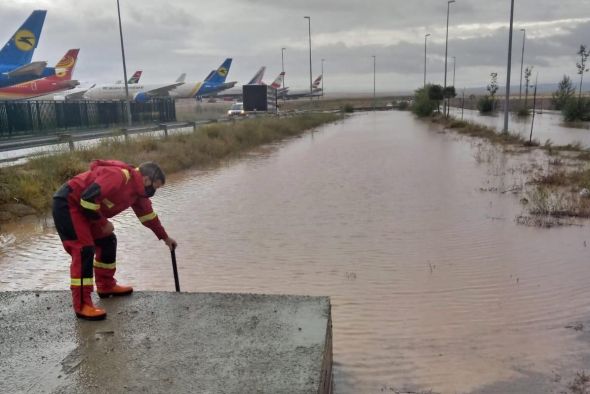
x: 310, y: 77
x: 323, y: 77
x: 425, y: 38
x: 507, y: 101
x: 283, y: 64
x: 127, y: 102
x: 454, y: 66
x: 446, y: 52
x: 374, y: 74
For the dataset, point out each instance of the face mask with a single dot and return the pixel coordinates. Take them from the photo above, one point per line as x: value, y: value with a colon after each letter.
x: 149, y: 190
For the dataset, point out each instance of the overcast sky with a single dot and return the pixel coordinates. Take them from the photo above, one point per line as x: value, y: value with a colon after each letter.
x: 166, y: 38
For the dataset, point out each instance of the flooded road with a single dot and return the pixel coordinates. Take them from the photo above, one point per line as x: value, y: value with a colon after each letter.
x: 548, y: 125
x: 433, y: 284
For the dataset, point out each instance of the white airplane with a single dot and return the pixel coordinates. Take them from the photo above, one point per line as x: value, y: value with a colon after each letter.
x: 137, y: 92
x: 212, y: 85
x: 316, y: 91
x: 236, y: 92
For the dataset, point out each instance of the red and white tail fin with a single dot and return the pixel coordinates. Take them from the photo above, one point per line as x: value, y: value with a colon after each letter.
x: 135, y: 77
x: 65, y: 67
x: 316, y: 83
x: 278, y: 82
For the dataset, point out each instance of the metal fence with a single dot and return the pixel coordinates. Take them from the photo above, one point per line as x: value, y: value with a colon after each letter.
x: 43, y: 117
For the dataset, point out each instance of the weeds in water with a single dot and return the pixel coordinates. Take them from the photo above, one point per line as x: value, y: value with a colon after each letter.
x: 581, y: 384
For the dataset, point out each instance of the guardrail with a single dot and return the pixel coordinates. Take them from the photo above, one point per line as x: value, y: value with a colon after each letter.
x: 70, y: 138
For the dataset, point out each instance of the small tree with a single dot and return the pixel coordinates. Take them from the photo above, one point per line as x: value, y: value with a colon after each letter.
x: 435, y: 93
x: 565, y: 91
x: 493, y: 86
x: 527, y: 78
x: 583, y: 53
x: 487, y: 103
x: 423, y: 106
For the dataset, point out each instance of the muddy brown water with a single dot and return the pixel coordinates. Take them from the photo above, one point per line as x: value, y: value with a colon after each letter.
x: 433, y: 284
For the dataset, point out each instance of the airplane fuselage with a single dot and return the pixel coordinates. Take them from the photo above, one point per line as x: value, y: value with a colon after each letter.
x: 6, y: 81
x: 36, y: 88
x: 117, y: 91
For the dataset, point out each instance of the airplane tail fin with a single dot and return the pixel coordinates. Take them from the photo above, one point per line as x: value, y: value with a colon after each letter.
x: 135, y: 77
x: 65, y: 67
x: 19, y: 49
x: 257, y: 78
x: 316, y: 83
x: 221, y: 73
x: 181, y: 78
x: 278, y: 81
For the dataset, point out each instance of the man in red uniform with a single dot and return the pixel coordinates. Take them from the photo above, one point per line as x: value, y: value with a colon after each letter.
x: 81, y: 208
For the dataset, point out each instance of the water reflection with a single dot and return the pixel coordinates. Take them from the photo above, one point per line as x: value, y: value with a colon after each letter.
x: 433, y: 285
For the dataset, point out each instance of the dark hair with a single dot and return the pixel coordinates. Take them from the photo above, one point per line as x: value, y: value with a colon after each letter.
x: 152, y: 170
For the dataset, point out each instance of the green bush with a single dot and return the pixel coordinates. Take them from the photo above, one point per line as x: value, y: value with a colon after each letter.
x: 423, y: 105
x: 403, y: 105
x: 523, y: 112
x: 576, y: 110
x: 348, y: 108
x: 486, y: 105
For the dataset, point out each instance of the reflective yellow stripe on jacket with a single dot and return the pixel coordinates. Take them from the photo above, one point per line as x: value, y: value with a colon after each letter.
x: 127, y: 174
x: 149, y: 216
x: 108, y: 266
x: 89, y: 205
x: 81, y: 282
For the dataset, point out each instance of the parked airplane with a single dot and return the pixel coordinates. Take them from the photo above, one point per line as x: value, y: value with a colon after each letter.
x: 236, y: 91
x: 16, y: 55
x: 137, y: 92
x: 134, y: 78
x: 316, y: 91
x: 62, y: 80
x: 214, y: 83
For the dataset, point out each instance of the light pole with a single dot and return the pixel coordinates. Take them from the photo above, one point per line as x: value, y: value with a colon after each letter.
x: 425, y: 38
x: 128, y: 104
x: 509, y: 67
x: 522, y: 62
x: 283, y: 64
x: 454, y: 67
x: 323, y: 60
x: 310, y: 82
x: 374, y: 73
x: 446, y: 51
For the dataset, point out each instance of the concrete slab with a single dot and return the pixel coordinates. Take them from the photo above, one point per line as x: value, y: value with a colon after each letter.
x: 159, y: 342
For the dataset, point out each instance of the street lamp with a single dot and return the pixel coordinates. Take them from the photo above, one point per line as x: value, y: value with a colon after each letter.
x: 128, y: 104
x: 446, y: 50
x: 374, y: 72
x: 425, y: 38
x: 323, y: 60
x: 507, y: 101
x: 283, y: 64
x: 522, y: 62
x: 310, y: 82
x: 454, y: 67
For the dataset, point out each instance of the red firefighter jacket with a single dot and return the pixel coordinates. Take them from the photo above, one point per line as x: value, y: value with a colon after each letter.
x: 109, y: 188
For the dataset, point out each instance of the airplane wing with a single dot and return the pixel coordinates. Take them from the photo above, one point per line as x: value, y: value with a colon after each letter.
x: 163, y: 90
x: 78, y: 95
x: 31, y: 69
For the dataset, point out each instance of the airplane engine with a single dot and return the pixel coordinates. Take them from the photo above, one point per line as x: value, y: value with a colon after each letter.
x: 141, y: 97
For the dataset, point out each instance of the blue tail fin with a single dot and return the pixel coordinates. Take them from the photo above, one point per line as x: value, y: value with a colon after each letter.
x: 221, y: 72
x: 19, y: 49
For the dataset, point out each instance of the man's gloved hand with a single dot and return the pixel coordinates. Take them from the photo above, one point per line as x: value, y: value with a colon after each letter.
x: 171, y: 243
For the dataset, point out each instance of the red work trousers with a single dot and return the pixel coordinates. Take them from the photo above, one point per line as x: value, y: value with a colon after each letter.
x: 91, y: 251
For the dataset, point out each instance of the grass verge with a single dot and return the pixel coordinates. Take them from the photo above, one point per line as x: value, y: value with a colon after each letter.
x: 34, y: 183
